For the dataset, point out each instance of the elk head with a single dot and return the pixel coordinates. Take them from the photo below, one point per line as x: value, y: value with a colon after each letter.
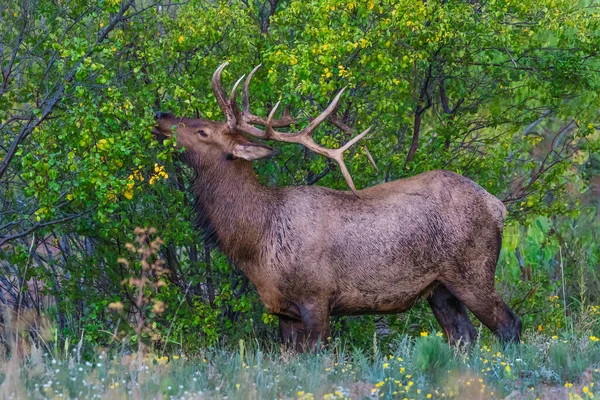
x: 210, y: 139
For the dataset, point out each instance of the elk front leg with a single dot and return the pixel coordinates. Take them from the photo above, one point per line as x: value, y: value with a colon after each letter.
x: 452, y: 316
x: 315, y: 318
x: 292, y: 333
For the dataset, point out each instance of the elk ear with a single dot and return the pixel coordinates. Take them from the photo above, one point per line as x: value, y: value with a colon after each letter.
x: 253, y: 151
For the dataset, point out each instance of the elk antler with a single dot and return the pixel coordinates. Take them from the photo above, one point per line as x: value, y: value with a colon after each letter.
x: 243, y: 121
x: 227, y: 105
x: 286, y: 119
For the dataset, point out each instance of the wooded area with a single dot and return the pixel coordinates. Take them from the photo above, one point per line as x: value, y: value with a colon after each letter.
x: 506, y: 93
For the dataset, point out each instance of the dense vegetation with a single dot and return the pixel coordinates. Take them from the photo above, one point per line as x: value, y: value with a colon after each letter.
x: 504, y: 92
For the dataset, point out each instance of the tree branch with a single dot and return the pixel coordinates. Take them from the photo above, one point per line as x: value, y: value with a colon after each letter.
x: 58, y: 95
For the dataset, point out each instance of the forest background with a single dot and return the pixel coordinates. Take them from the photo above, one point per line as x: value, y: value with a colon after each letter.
x: 504, y: 92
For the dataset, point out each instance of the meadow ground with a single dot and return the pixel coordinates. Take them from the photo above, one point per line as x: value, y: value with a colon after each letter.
x: 418, y: 368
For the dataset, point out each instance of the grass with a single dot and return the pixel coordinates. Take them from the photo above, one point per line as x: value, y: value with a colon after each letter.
x: 417, y: 368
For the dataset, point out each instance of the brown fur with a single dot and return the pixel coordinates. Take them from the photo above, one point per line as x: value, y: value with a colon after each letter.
x: 313, y: 252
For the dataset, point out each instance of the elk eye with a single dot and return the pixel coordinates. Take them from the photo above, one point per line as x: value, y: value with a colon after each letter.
x: 202, y: 133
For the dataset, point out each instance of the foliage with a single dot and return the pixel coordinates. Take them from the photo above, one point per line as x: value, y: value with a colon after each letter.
x: 505, y: 93
x: 432, y: 356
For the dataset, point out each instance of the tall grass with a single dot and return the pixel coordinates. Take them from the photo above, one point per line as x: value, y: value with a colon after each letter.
x: 419, y: 368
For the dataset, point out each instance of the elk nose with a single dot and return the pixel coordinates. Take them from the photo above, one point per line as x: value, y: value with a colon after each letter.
x: 160, y: 115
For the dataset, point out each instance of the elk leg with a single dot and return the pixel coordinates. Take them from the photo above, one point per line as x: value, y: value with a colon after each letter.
x: 292, y: 333
x: 452, y: 316
x: 486, y: 304
x: 315, y: 319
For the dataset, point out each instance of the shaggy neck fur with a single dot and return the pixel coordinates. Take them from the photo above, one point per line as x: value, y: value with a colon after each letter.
x: 233, y: 207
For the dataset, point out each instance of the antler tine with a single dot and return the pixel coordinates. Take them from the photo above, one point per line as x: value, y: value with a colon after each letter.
x: 237, y: 83
x: 232, y: 101
x: 323, y: 116
x: 354, y: 140
x: 245, y: 96
x: 249, y: 118
x: 221, y: 97
x: 341, y: 125
x: 269, y: 125
x: 338, y: 156
x: 370, y: 157
x: 272, y: 113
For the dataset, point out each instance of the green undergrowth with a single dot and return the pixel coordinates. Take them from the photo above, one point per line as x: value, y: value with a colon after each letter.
x: 417, y: 368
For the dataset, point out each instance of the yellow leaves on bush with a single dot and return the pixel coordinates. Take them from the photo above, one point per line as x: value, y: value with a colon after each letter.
x: 136, y: 175
x: 159, y: 173
x: 102, y: 144
x: 343, y: 72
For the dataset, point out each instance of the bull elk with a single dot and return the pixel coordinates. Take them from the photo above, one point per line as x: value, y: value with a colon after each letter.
x: 313, y: 252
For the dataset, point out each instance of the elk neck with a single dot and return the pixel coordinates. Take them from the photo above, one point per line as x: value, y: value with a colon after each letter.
x: 233, y: 208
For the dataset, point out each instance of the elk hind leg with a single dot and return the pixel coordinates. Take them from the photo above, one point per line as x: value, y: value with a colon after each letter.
x: 480, y: 296
x: 292, y: 333
x: 315, y: 318
x: 452, y: 316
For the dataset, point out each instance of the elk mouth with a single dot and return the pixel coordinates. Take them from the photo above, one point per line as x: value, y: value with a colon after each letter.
x: 156, y: 130
x: 158, y: 134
